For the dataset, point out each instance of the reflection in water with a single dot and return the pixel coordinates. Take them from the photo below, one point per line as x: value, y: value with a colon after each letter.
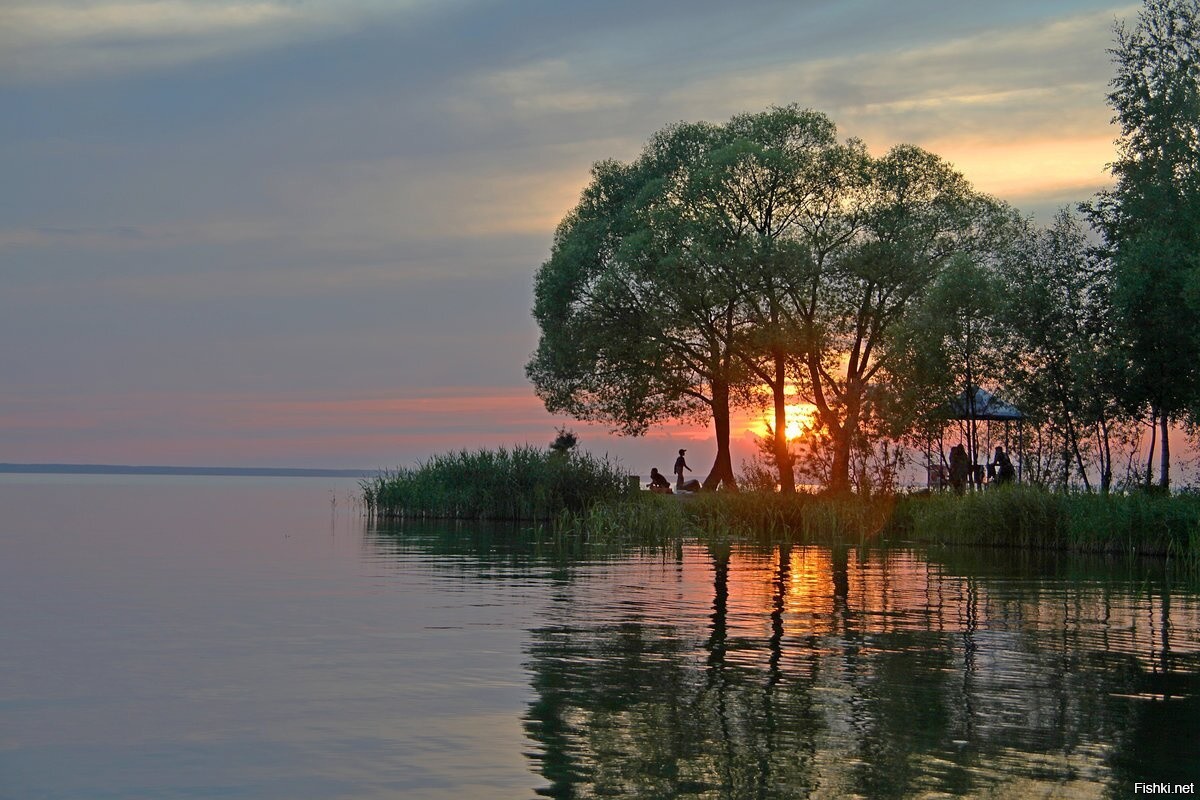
x: 894, y: 676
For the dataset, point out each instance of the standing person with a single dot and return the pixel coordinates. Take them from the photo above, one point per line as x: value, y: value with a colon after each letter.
x: 1004, y: 468
x: 680, y: 466
x: 960, y: 467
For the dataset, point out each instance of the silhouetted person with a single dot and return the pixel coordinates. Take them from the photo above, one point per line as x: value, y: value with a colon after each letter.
x: 1004, y: 468
x: 658, y: 483
x: 680, y: 466
x: 960, y: 468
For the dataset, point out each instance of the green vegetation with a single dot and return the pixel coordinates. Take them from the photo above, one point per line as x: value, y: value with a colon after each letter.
x: 575, y: 497
x: 524, y: 483
x: 763, y: 260
x: 1150, y: 219
x: 1136, y: 524
x: 763, y: 252
x: 1140, y: 524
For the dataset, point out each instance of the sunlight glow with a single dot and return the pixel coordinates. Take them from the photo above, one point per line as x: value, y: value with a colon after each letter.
x: 800, y: 420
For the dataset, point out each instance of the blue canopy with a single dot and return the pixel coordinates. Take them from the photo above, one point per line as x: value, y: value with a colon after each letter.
x: 986, y: 406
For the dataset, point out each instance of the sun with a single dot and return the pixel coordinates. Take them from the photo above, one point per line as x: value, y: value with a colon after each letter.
x: 800, y: 418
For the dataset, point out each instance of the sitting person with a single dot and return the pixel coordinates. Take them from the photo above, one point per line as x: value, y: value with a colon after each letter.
x: 1003, y: 466
x: 658, y: 483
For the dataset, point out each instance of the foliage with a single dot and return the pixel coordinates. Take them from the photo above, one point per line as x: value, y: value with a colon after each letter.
x: 950, y: 342
x: 1151, y: 218
x: 1062, y: 352
x: 635, y: 327
x: 919, y: 215
x: 564, y: 442
x: 757, y: 253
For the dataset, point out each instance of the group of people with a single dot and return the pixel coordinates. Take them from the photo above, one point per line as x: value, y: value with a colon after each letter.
x: 658, y: 483
x: 1000, y: 469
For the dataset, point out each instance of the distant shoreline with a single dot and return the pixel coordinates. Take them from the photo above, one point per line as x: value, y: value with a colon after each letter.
x: 124, y: 469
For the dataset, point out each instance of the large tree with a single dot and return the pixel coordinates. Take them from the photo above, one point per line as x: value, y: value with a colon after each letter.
x: 916, y: 214
x: 637, y: 327
x: 665, y: 292
x: 1151, y: 218
x: 726, y: 258
x: 780, y: 187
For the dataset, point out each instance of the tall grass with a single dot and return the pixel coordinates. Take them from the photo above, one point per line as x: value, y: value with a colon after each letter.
x: 524, y: 483
x: 642, y: 519
x: 576, y: 495
x: 1136, y: 524
x: 800, y: 517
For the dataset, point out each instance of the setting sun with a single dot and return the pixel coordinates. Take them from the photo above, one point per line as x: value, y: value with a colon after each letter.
x: 800, y: 418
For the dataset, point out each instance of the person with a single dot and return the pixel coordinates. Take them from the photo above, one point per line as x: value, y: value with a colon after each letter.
x: 960, y: 468
x: 658, y: 483
x: 680, y: 466
x: 1004, y: 468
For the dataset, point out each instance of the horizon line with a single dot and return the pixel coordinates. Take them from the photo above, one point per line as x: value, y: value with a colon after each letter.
x: 153, y: 469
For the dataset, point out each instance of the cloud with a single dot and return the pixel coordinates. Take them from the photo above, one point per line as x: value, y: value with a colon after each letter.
x: 997, y: 84
x: 547, y: 87
x: 1032, y: 168
x: 49, y: 42
x: 1020, y: 111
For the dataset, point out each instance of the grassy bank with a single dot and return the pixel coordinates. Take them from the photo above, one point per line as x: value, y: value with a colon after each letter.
x: 524, y: 483
x: 578, y: 495
x: 1027, y: 517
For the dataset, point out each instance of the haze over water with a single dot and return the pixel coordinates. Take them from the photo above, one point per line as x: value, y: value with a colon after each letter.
x: 257, y: 638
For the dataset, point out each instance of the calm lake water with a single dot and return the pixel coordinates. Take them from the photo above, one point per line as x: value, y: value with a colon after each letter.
x: 256, y: 638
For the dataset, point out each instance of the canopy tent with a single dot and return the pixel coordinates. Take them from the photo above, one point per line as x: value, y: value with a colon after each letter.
x: 971, y: 407
x: 982, y: 405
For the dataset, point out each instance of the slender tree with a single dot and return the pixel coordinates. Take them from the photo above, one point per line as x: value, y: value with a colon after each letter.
x: 953, y: 340
x: 1151, y: 218
x: 1062, y: 352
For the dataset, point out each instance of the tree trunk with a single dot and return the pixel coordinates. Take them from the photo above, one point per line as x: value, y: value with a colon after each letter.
x: 839, y: 471
x: 783, y: 454
x: 1076, y: 450
x: 722, y: 468
x: 1105, y: 447
x: 1164, y: 464
x: 1150, y: 456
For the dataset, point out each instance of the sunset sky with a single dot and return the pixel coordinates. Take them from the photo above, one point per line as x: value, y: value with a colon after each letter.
x: 304, y: 233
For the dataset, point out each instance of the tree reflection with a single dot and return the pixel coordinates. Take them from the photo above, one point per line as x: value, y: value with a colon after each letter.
x: 736, y: 672
x: 1007, y: 690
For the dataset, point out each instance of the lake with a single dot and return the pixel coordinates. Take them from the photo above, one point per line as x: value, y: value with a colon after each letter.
x: 183, y: 637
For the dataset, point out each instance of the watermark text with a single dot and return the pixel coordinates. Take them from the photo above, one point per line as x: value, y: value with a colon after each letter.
x: 1164, y: 788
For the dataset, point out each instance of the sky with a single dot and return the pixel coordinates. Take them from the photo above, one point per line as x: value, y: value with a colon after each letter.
x: 304, y: 233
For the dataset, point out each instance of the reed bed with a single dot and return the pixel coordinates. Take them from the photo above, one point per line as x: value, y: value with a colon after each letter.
x: 1027, y: 517
x: 522, y: 483
x: 575, y: 496
x: 643, y: 519
x: 801, y: 518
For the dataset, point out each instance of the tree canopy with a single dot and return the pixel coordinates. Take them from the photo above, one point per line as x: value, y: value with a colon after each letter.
x: 759, y: 253
x: 1151, y: 219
